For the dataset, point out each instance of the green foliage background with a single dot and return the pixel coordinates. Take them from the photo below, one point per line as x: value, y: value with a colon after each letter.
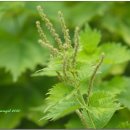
x: 21, y: 56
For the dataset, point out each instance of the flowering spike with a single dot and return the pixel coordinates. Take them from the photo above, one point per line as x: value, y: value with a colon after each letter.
x: 50, y: 27
x: 54, y: 50
x: 64, y: 29
x: 41, y: 33
x: 76, y: 45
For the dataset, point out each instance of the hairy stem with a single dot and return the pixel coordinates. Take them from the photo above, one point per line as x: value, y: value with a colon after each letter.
x: 82, y: 118
x: 91, y: 119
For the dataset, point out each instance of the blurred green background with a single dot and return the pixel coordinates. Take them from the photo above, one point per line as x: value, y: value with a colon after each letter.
x: 21, y: 55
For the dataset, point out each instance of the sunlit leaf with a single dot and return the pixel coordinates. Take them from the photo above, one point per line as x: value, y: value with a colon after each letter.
x: 101, y: 108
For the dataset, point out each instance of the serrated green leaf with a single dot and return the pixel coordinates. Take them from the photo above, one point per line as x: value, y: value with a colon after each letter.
x: 58, y: 93
x: 84, y: 57
x: 115, y: 86
x: 62, y: 109
x: 18, y: 49
x: 124, y: 97
x: 115, y: 53
x: 85, y: 71
x: 89, y: 39
x: 60, y: 102
x: 53, y: 66
x: 23, y: 55
x: 101, y: 108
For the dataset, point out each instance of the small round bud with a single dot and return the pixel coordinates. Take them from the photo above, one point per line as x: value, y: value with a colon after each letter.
x: 103, y: 54
x: 65, y: 46
x: 59, y: 12
x: 39, y: 7
x: 40, y: 41
x: 37, y: 22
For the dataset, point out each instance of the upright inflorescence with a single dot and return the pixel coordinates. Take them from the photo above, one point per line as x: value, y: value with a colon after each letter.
x: 65, y: 30
x: 44, y: 41
x: 76, y: 45
x: 50, y: 27
x: 68, y: 59
x: 67, y: 55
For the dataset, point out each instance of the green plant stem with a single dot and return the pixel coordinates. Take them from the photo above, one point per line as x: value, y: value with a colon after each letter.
x: 91, y: 119
x: 91, y: 85
x: 83, y: 104
x: 81, y: 98
x: 82, y: 118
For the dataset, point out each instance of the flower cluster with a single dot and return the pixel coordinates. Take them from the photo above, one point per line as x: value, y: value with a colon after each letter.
x: 64, y: 49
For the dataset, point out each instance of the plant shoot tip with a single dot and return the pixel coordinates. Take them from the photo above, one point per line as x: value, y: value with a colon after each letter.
x: 103, y: 54
x: 37, y: 22
x: 59, y: 12
x: 39, y: 7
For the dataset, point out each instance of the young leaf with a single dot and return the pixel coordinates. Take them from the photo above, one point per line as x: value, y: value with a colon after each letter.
x: 53, y: 66
x: 85, y: 71
x: 58, y: 93
x: 90, y: 39
x: 115, y: 86
x: 60, y: 102
x: 62, y: 109
x: 115, y: 53
x: 124, y: 97
x: 101, y: 108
